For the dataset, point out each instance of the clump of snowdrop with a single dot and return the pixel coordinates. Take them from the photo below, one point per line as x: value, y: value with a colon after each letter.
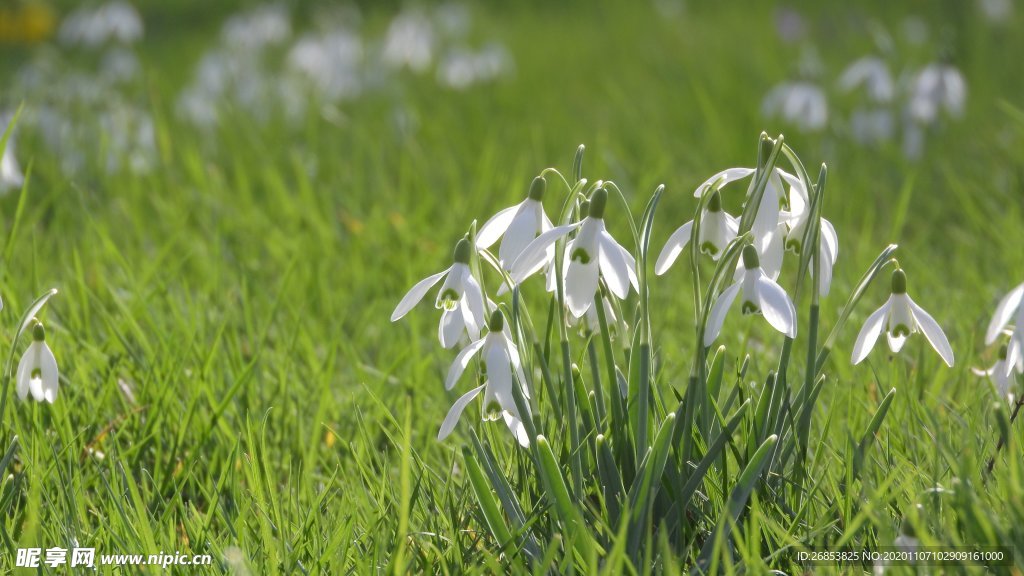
x: 901, y: 317
x: 116, y: 21
x: 258, y: 28
x: 801, y: 103
x: 37, y: 370
x: 607, y: 431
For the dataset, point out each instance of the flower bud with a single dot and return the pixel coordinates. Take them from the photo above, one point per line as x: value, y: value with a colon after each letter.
x: 750, y: 259
x: 537, y: 188
x: 597, y: 201
x: 899, y: 282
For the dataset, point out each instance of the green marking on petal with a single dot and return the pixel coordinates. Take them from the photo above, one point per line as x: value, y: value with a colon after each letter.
x: 749, y: 308
x: 492, y: 411
x: 36, y: 374
x: 448, y: 299
x: 793, y: 245
x: 708, y: 248
x: 900, y: 330
x: 581, y: 255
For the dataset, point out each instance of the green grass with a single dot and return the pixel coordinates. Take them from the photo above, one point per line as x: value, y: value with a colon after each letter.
x: 243, y: 296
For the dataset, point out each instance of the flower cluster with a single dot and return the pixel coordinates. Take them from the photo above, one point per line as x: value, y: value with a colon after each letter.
x: 590, y: 275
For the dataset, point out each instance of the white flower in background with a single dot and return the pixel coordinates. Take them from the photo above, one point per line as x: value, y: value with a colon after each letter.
x: 258, y: 28
x: 1002, y: 373
x: 873, y: 74
x: 868, y: 125
x: 717, y: 229
x: 937, y: 87
x: 462, y: 68
x: 503, y: 370
x: 900, y: 317
x: 800, y: 103
x: 37, y: 370
x: 114, y: 21
x: 460, y: 297
x: 11, y: 177
x: 517, y: 226
x: 410, y: 42
x: 592, y: 253
x: 997, y: 11
x: 330, y: 62
x: 796, y: 220
x: 591, y: 321
x: 761, y: 295
x: 1009, y: 307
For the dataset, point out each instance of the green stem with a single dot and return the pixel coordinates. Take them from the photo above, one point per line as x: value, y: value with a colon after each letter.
x: 574, y: 429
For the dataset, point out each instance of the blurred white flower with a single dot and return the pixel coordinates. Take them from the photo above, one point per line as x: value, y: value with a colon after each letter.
x: 517, y: 226
x: 461, y: 69
x: 114, y: 21
x: 503, y: 369
x: 900, y: 317
x: 119, y: 65
x: 410, y: 41
x: 592, y: 253
x: 1009, y: 307
x: 996, y: 11
x: 800, y: 103
x: 330, y: 62
x: 871, y: 124
x: 717, y: 229
x: 37, y: 370
x: 873, y: 74
x: 460, y: 298
x: 937, y: 87
x: 761, y: 295
x: 258, y: 28
x: 11, y: 177
x: 1002, y: 373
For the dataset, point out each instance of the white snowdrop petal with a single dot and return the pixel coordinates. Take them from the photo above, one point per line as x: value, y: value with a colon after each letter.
x: 448, y: 425
x: 50, y: 375
x: 489, y: 233
x: 535, y: 256
x: 830, y: 239
x: 673, y: 248
x: 1004, y: 311
x: 24, y: 373
x: 728, y: 175
x: 933, y: 333
x: 580, y: 285
x: 775, y: 305
x: 473, y: 296
x: 515, y: 425
x: 718, y: 312
x: 522, y: 231
x: 895, y: 342
x: 416, y: 293
x: 461, y: 361
x: 450, y: 327
x: 869, y: 334
x: 499, y: 369
x: 613, y: 266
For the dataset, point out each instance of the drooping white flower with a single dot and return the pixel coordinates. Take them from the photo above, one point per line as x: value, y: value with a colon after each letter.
x: 1001, y: 374
x: 37, y: 370
x: 11, y: 177
x: 761, y: 295
x: 114, y: 21
x: 766, y: 220
x: 900, y: 317
x: 460, y: 297
x: 517, y: 226
x: 936, y: 87
x: 592, y: 253
x: 717, y: 229
x: 503, y: 369
x: 800, y: 103
x: 1009, y: 307
x: 591, y: 321
x: 872, y: 73
x: 796, y: 220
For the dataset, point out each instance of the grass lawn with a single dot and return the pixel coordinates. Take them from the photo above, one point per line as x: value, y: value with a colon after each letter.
x: 231, y: 385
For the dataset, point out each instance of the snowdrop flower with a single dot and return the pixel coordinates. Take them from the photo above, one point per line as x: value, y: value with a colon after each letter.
x: 1009, y: 307
x: 11, y: 177
x: 937, y: 86
x: 115, y: 20
x: 1002, y: 373
x: 873, y: 74
x: 257, y: 28
x: 900, y: 317
x: 801, y: 103
x: 503, y: 369
x: 796, y: 220
x: 717, y: 229
x: 766, y: 221
x: 410, y: 42
x: 591, y: 253
x: 517, y: 226
x: 761, y: 295
x: 460, y: 297
x: 37, y: 371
